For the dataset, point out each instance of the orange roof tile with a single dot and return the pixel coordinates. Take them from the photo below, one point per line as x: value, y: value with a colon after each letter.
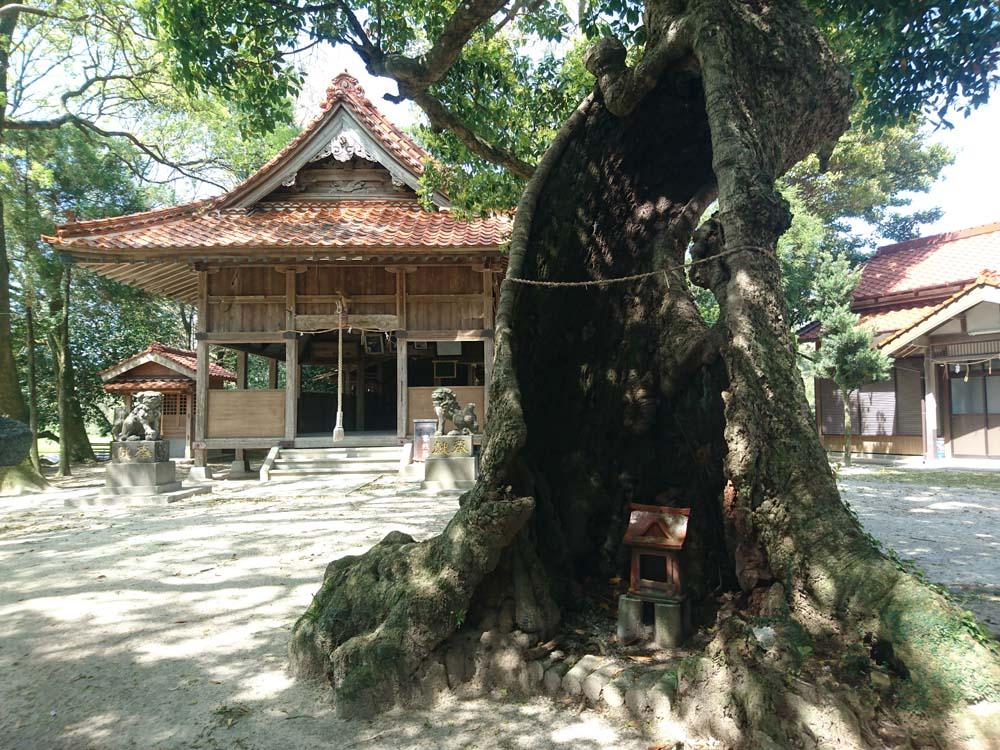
x: 293, y: 225
x: 928, y: 262
x: 150, y: 384
x: 985, y: 278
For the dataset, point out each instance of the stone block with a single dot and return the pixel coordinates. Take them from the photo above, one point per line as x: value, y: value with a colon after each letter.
x: 614, y: 692
x: 595, y: 682
x: 573, y: 680
x: 140, y: 451
x: 145, y: 475
x: 629, y: 618
x: 668, y: 629
x: 452, y: 472
x: 451, y: 446
x: 200, y: 474
x: 661, y: 695
x: 637, y: 696
x: 554, y: 676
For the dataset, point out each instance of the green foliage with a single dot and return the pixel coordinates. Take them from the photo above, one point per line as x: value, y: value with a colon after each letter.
x: 847, y: 355
x: 867, y: 180
x: 908, y: 57
x: 48, y: 174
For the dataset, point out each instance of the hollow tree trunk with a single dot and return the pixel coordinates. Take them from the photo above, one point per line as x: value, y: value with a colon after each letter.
x: 618, y: 392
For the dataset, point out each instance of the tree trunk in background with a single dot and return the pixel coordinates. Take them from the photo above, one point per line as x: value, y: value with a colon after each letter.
x: 23, y: 478
x: 29, y: 311
x: 602, y: 395
x: 848, y: 425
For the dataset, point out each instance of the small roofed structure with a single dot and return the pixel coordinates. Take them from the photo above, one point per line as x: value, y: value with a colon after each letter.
x: 173, y: 373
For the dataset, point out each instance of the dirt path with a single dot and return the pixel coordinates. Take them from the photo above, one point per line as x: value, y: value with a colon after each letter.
x: 951, y: 533
x: 168, y: 628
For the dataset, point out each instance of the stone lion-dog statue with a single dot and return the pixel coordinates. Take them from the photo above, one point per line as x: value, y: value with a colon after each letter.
x: 143, y: 422
x: 447, y: 409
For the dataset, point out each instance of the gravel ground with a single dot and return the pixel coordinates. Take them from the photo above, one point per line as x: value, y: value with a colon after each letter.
x: 167, y: 627
x: 950, y: 532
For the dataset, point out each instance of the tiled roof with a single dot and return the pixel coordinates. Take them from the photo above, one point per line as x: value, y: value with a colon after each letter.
x: 881, y: 321
x: 345, y: 91
x: 149, y: 384
x: 941, y: 260
x: 183, y: 357
x: 986, y: 278
x: 220, y: 223
x: 294, y: 225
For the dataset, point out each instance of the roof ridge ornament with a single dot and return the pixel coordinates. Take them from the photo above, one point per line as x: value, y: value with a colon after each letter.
x: 345, y: 146
x: 340, y: 87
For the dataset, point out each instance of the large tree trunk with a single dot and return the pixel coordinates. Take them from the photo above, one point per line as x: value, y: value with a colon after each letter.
x: 605, y: 394
x: 74, y: 444
x: 29, y: 314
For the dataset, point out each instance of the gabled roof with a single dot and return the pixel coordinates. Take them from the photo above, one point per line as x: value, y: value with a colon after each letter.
x: 921, y: 265
x: 182, y: 361
x: 986, y: 288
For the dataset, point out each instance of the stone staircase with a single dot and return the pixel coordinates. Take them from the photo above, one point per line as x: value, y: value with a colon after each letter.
x: 320, y: 462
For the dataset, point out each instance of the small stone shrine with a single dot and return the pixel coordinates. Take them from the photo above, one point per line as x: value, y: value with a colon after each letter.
x: 452, y: 462
x: 140, y: 470
x: 655, y: 536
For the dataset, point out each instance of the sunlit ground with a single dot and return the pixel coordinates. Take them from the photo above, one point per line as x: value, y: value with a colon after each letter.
x: 167, y: 627
x: 946, y: 523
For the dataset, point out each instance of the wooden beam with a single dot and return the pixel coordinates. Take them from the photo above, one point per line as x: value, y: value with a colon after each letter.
x: 247, y: 299
x: 454, y: 298
x: 242, y: 337
x: 472, y: 335
x: 373, y: 322
x: 241, y: 370
x: 272, y: 373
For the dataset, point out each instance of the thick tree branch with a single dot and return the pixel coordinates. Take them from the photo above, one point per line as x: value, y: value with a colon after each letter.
x: 441, y: 117
x: 624, y: 87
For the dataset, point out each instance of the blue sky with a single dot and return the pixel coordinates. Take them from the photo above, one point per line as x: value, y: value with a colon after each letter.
x: 967, y: 193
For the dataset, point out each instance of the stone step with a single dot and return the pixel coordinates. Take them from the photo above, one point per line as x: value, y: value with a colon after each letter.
x: 310, y: 472
x: 337, y: 467
x: 310, y: 453
x: 297, y: 459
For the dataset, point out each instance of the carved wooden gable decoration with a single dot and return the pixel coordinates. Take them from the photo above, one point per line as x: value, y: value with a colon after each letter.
x: 350, y: 151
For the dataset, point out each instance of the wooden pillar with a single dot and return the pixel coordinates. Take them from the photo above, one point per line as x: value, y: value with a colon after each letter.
x: 401, y: 399
x: 930, y: 408
x: 202, y: 379
x: 272, y: 374
x: 240, y: 464
x: 291, y: 385
x: 360, y: 384
x: 188, y: 425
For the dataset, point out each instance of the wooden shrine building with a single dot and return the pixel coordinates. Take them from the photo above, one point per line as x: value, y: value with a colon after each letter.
x: 328, y: 235
x: 172, y: 373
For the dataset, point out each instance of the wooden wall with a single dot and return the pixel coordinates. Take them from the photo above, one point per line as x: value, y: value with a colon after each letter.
x: 253, y: 298
x: 246, y: 414
x: 891, y: 445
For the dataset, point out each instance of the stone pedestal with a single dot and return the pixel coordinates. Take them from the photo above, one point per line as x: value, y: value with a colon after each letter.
x: 451, y: 463
x: 629, y: 618
x: 669, y: 628
x: 140, y: 472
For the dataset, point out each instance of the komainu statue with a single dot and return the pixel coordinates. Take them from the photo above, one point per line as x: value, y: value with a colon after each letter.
x: 447, y: 410
x: 143, y: 422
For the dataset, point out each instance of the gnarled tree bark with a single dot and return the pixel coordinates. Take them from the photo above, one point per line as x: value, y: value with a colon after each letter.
x: 620, y: 392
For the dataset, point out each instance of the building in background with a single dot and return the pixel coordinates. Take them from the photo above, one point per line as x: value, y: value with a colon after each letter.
x: 933, y: 304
